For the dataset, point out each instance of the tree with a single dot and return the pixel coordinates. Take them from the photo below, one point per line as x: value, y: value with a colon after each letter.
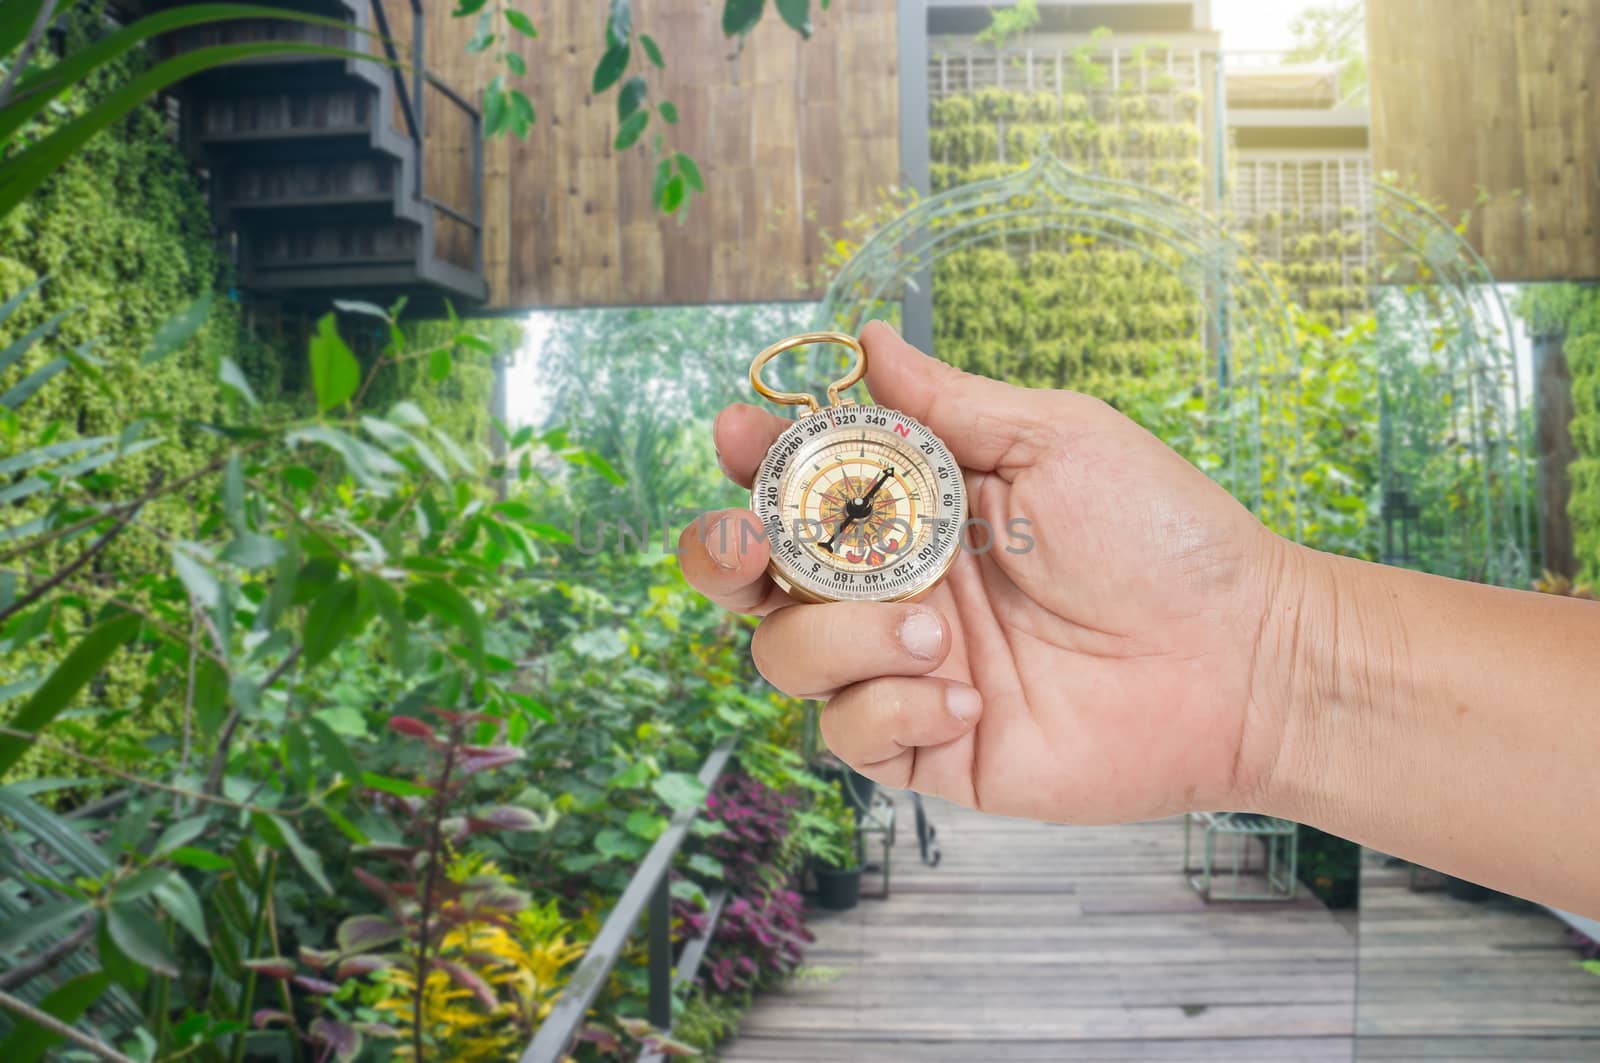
x: 1334, y: 33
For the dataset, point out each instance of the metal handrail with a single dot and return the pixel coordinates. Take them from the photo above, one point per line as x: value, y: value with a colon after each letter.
x: 413, y: 107
x: 413, y: 122
x: 650, y: 887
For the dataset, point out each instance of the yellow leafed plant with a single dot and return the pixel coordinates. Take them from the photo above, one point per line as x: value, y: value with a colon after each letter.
x: 493, y: 978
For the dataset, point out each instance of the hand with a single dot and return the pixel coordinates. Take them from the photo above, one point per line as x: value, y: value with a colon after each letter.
x: 1109, y: 673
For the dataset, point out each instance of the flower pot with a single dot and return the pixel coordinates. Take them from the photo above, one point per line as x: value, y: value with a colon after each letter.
x: 838, y: 890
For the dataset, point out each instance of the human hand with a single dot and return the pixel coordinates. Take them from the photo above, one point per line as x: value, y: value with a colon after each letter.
x: 1109, y: 673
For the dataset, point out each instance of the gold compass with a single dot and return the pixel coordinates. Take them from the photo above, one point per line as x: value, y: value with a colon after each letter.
x: 859, y: 503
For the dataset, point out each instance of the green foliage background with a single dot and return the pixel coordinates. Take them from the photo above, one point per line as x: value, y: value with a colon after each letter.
x: 1068, y: 309
x: 122, y: 236
x: 1575, y: 310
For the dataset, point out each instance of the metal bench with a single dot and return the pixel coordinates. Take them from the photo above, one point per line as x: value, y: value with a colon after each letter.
x: 1280, y: 856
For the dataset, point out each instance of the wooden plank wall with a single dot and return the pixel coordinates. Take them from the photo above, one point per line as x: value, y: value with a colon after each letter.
x: 792, y: 136
x: 1502, y: 95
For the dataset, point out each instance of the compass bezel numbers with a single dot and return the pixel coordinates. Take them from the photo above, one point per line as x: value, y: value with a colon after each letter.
x: 811, y: 574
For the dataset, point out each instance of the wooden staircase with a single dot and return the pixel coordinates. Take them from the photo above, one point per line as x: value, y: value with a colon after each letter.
x: 340, y: 177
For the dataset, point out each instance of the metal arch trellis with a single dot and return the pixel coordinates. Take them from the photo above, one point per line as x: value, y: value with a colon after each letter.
x: 1453, y: 446
x: 1254, y: 366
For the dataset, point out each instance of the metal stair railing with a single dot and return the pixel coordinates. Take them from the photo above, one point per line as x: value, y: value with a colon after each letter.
x: 648, y: 888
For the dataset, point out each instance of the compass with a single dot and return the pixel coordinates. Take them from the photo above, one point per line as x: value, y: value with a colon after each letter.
x: 859, y: 503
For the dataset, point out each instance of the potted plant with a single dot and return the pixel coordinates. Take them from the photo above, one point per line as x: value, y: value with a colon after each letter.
x: 836, y: 866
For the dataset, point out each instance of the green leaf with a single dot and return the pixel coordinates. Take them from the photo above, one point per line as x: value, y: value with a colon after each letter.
x: 521, y: 23
x: 549, y: 532
x: 398, y: 787
x: 390, y: 607
x: 663, y: 175
x: 29, y: 386
x: 522, y: 112
x: 70, y: 676
x: 630, y: 96
x: 140, y: 938
x: 180, y: 834
x: 588, y: 459
x: 672, y: 195
x: 16, y: 933
x: 516, y: 64
x: 68, y: 1002
x: 370, y: 466
x: 141, y: 883
x: 233, y: 492
x: 651, y: 50
x: 279, y: 833
x: 702, y: 864
x: 740, y: 16
x: 408, y: 413
x: 331, y: 619
x: 199, y: 859
x: 250, y: 550
x: 614, y: 844
x: 177, y: 898
x: 19, y: 347
x: 439, y: 364
x: 496, y: 115
x: 442, y: 600
x: 335, y: 373
x: 690, y: 171
x: 178, y: 330
x: 680, y: 790
x: 609, y: 70
x: 333, y: 748
x: 669, y: 112
x: 201, y: 584
x: 465, y: 8
x: 125, y: 971
x: 395, y: 439
x: 629, y: 132
x: 797, y: 13
x: 646, y: 825
x: 619, y: 26
x: 233, y: 377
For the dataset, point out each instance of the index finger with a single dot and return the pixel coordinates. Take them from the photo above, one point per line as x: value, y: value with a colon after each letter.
x: 742, y: 435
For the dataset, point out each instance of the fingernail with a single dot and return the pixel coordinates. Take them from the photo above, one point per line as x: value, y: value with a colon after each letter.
x: 722, y: 543
x: 921, y: 633
x: 964, y: 703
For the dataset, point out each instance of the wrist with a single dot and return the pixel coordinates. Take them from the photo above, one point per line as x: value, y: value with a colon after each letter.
x: 1322, y: 665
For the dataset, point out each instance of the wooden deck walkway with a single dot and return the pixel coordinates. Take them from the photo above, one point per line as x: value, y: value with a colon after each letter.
x: 1044, y: 943
x: 1445, y: 979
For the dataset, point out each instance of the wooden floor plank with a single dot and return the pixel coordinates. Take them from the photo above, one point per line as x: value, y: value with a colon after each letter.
x: 1040, y: 943
x: 1446, y: 979
x: 1034, y: 942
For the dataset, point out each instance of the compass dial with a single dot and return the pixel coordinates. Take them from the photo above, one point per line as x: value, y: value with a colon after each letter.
x: 859, y: 503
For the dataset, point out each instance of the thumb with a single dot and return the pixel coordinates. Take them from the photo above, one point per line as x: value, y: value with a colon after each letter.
x: 989, y: 426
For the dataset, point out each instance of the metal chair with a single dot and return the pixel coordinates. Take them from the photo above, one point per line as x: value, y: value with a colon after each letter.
x: 1281, y: 855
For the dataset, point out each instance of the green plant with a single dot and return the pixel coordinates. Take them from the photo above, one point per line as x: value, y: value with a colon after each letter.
x: 30, y: 84
x: 1008, y: 23
x: 833, y: 831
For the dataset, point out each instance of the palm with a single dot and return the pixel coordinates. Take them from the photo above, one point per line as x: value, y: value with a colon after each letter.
x: 1105, y: 658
